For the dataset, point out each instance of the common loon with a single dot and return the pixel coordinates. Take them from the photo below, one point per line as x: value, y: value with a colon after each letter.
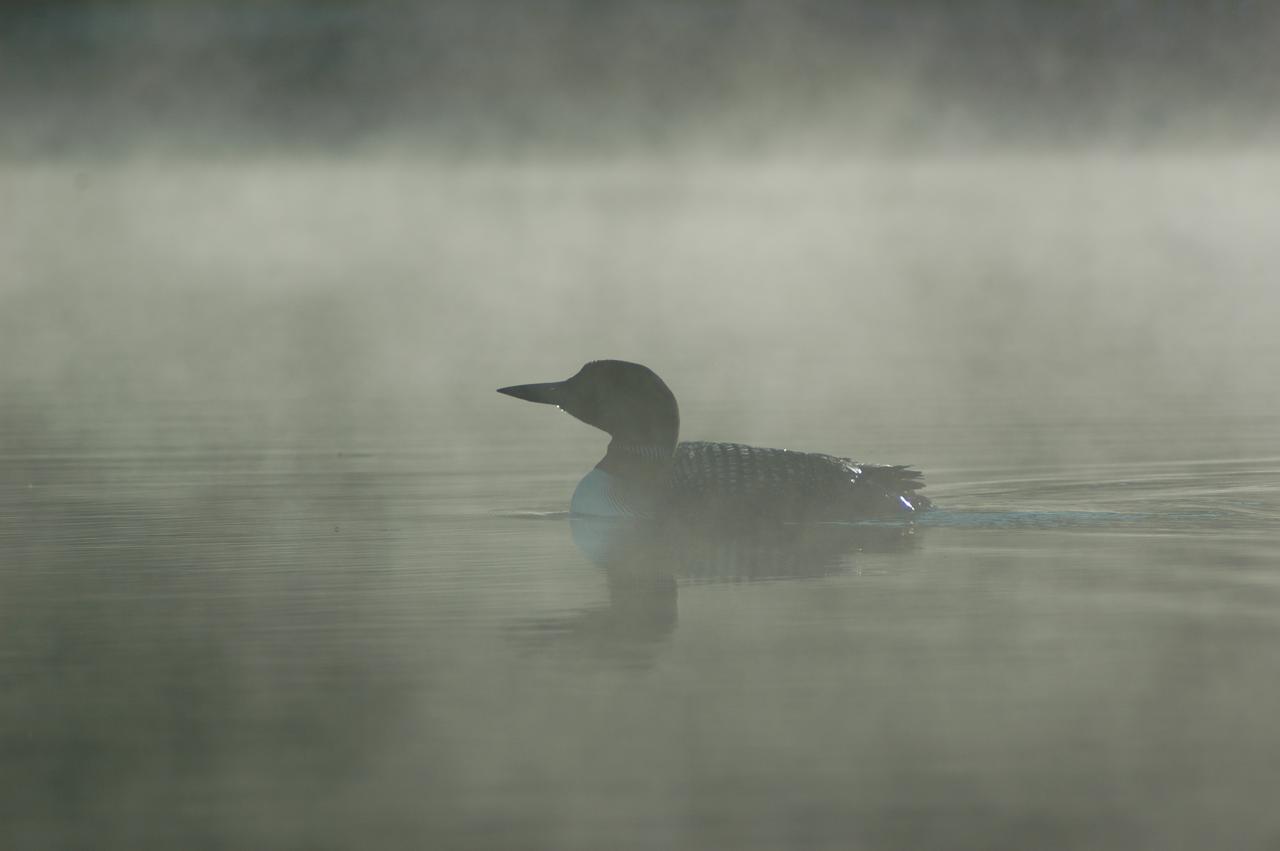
x: 647, y: 474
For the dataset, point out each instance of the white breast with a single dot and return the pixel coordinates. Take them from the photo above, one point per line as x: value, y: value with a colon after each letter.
x: 602, y: 495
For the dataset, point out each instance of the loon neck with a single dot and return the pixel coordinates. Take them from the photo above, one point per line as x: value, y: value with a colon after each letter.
x: 636, y: 460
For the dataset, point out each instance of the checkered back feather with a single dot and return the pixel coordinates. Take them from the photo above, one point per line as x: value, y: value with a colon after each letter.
x: 748, y: 481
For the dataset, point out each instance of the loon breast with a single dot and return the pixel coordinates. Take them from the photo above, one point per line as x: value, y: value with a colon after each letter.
x: 602, y: 494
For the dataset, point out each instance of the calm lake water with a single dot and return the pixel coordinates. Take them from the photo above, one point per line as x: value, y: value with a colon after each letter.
x: 261, y: 591
x: 280, y: 638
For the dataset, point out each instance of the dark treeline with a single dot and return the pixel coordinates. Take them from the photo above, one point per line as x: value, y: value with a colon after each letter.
x: 572, y: 74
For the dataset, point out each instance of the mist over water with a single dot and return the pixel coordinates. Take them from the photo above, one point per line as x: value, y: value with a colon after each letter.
x: 1062, y: 285
x: 279, y: 569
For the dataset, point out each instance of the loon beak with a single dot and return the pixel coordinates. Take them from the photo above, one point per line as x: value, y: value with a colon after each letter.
x: 547, y: 394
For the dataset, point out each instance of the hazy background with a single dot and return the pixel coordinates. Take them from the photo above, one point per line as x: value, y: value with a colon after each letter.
x: 918, y: 200
x: 271, y: 573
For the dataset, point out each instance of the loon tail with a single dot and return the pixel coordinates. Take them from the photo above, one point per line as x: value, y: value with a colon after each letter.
x: 897, y: 483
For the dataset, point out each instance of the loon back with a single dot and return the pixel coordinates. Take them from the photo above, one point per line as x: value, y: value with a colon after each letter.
x: 645, y: 473
x: 735, y: 480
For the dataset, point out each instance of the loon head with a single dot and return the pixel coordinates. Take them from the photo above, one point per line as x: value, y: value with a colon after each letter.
x: 625, y: 399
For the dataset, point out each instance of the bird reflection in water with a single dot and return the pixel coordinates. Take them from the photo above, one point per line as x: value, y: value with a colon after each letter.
x: 645, y: 564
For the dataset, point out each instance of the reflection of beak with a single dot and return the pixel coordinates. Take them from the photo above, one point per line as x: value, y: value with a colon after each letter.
x: 547, y: 394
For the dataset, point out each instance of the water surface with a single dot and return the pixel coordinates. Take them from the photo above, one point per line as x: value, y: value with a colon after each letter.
x: 352, y: 640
